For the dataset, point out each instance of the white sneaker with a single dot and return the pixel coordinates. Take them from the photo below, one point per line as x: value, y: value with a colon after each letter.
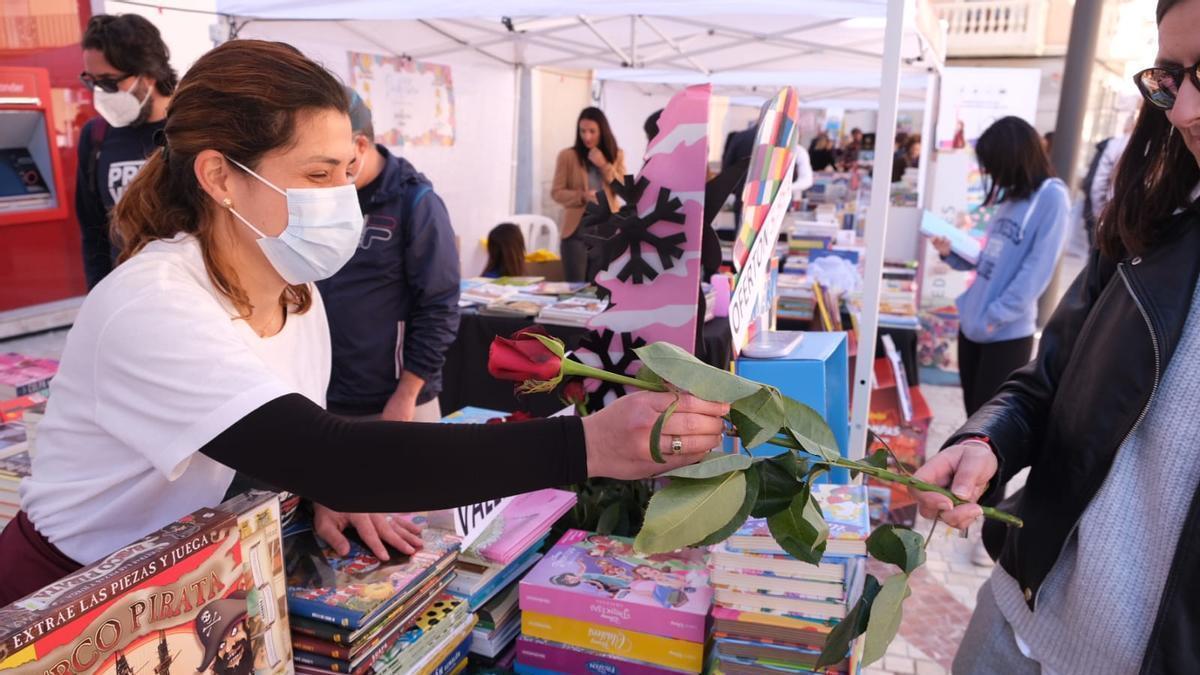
x: 979, y: 555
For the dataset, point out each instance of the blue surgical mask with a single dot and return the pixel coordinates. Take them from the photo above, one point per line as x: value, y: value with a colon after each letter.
x: 322, y: 233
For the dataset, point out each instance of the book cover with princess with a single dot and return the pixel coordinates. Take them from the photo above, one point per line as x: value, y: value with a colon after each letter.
x: 600, y: 579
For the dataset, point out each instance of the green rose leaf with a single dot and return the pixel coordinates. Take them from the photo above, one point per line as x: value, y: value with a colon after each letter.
x: 837, y: 644
x: 752, y: 486
x: 898, y: 546
x: 757, y: 418
x: 646, y: 375
x: 692, y: 375
x: 886, y: 613
x: 809, y: 429
x: 800, y: 529
x: 714, y: 464
x: 656, y: 431
x: 877, y: 459
x: 609, y: 519
x: 688, y: 510
x: 779, y: 483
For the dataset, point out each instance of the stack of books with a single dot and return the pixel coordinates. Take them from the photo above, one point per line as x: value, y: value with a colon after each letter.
x: 488, y: 570
x: 522, y: 305
x: 573, y: 311
x: 593, y: 605
x: 23, y: 375
x: 794, y: 297
x: 898, y: 297
x: 350, y: 612
x: 14, y: 465
x: 772, y: 612
x: 13, y: 409
x: 475, y: 294
x: 204, y: 594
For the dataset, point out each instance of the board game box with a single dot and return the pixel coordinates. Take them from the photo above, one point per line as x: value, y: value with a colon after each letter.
x: 202, y: 595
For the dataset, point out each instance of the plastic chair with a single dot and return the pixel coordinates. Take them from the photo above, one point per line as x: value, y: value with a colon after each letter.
x: 539, y: 232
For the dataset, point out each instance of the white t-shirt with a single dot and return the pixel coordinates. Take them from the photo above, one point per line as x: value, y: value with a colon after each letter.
x: 154, y: 368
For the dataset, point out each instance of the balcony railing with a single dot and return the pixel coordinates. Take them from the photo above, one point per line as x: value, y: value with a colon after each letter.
x: 994, y: 27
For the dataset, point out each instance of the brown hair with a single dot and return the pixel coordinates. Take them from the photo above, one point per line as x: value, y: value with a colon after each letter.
x: 506, y: 251
x: 240, y: 99
x: 608, y: 142
x: 1010, y: 153
x: 1154, y: 178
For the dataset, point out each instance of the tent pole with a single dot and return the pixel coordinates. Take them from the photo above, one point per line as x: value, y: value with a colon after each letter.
x: 876, y: 229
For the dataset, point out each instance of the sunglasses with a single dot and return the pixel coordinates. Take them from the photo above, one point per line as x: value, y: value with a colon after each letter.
x: 109, y: 84
x: 1160, y: 85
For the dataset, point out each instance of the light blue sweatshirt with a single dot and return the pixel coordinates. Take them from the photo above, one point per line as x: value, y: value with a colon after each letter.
x: 1024, y: 239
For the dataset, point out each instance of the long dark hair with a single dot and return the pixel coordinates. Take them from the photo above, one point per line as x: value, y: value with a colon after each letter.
x: 1010, y: 152
x: 608, y: 142
x: 506, y: 251
x: 1154, y: 178
x: 222, y: 104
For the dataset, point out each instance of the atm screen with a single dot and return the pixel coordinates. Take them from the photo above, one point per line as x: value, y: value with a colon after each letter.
x: 19, y: 175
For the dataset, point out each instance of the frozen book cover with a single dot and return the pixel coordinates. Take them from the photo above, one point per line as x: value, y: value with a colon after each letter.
x: 600, y: 579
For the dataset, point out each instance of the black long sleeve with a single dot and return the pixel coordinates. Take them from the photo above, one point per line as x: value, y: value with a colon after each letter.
x: 296, y: 445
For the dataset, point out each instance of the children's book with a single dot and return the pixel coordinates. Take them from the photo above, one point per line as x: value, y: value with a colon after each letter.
x: 353, y: 590
x: 599, y: 579
x: 523, y: 521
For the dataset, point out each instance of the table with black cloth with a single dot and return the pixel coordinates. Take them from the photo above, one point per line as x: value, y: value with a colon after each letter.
x: 466, y: 382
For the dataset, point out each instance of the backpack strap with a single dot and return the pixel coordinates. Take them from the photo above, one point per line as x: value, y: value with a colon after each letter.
x: 96, y: 135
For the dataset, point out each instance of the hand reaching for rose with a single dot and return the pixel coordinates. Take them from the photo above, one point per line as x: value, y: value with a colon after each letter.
x: 965, y: 468
x: 618, y: 435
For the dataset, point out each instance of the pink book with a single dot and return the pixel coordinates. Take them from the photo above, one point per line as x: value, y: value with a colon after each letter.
x: 599, y: 579
x: 524, y: 521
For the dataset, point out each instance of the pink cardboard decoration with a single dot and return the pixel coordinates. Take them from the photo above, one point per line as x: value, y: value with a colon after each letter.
x: 663, y: 308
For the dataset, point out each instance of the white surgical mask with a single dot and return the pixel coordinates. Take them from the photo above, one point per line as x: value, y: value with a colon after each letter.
x: 323, y: 230
x: 119, y: 108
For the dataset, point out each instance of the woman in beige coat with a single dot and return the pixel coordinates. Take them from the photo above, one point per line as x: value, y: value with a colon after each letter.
x: 581, y: 173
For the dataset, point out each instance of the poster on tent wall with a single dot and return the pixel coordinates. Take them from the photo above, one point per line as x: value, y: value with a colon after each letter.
x: 412, y: 102
x: 653, y: 280
x: 973, y: 98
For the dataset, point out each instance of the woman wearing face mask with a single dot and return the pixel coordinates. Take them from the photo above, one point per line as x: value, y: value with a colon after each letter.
x: 207, y: 351
x: 1105, y: 575
x: 583, y: 174
x: 127, y: 66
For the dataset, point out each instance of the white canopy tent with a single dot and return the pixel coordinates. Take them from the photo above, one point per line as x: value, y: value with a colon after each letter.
x: 849, y: 53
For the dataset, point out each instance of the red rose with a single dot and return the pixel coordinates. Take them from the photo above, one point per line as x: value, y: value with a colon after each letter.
x: 574, y: 392
x: 523, y: 357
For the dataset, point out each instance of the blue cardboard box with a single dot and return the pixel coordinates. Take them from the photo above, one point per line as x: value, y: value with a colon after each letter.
x: 817, y: 374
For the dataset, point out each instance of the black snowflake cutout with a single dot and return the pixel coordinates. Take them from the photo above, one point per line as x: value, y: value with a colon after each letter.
x: 615, y: 233
x: 602, y: 344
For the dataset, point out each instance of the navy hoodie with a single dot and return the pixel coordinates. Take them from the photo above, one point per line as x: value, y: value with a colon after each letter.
x: 122, y: 152
x: 394, y: 306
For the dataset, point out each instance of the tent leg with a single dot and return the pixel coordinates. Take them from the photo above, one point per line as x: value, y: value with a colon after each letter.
x: 523, y: 170
x: 876, y: 230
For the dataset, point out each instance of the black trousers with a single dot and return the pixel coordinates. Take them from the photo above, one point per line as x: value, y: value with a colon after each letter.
x: 574, y: 259
x: 983, y: 367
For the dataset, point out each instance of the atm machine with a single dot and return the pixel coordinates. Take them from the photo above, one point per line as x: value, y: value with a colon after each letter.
x: 39, y: 241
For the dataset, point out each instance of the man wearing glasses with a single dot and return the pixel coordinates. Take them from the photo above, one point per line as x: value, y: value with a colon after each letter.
x: 127, y: 66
